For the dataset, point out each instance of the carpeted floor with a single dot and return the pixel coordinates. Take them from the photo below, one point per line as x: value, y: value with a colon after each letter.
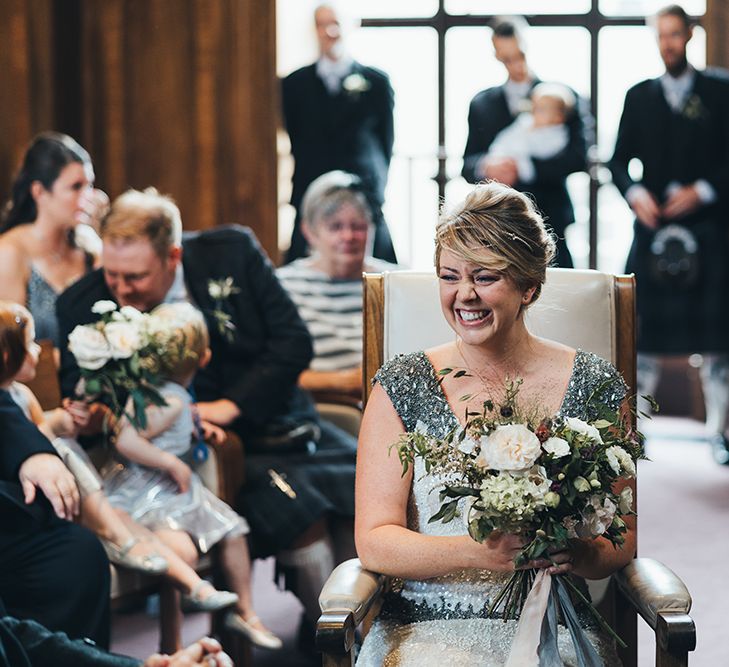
x: 683, y: 502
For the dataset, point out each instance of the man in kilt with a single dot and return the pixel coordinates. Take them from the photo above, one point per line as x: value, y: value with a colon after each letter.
x: 678, y: 126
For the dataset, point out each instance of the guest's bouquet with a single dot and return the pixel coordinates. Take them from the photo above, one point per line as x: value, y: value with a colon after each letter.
x: 120, y: 359
x: 548, y: 479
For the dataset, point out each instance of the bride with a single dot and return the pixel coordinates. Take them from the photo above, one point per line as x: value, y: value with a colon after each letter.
x: 491, y: 256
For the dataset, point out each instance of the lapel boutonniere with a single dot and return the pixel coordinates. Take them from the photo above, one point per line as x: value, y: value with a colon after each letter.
x: 694, y: 108
x: 220, y: 292
x: 355, y: 84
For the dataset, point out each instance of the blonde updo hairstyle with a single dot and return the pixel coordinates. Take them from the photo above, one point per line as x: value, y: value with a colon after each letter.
x: 187, y: 339
x: 499, y: 228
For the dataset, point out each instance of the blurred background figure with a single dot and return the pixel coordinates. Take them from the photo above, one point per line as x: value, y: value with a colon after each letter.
x: 338, y: 114
x: 48, y: 227
x: 327, y: 287
x: 677, y: 125
x: 494, y: 109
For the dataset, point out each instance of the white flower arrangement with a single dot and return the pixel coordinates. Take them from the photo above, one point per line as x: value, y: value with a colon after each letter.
x: 119, y: 356
x: 547, y: 479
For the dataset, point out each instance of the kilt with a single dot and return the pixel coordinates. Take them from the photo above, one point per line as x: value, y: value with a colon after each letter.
x: 681, y: 319
x: 323, y: 482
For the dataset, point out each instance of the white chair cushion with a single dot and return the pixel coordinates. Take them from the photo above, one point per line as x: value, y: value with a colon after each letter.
x: 576, y: 308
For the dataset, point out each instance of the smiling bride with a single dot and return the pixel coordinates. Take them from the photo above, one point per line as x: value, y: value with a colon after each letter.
x: 491, y: 256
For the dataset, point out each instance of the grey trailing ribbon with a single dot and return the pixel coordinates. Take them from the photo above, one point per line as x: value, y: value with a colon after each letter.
x: 559, y: 597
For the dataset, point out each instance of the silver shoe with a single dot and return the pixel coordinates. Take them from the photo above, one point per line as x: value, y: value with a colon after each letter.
x: 152, y: 564
x: 263, y: 638
x: 213, y: 602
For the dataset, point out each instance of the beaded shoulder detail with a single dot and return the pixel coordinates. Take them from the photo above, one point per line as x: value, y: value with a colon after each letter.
x: 412, y: 385
x: 594, y: 381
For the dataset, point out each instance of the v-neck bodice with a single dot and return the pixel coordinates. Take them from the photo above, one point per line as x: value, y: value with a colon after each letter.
x: 413, y: 386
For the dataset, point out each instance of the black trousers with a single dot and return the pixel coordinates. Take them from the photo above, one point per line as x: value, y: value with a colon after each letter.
x: 56, y: 574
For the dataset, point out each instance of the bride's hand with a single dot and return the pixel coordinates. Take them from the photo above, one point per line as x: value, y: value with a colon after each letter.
x: 559, y: 562
x: 498, y: 550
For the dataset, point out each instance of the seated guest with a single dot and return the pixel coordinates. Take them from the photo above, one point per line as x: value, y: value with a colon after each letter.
x: 296, y: 493
x: 51, y: 570
x: 126, y: 542
x: 29, y: 644
x: 327, y: 286
x: 42, y: 247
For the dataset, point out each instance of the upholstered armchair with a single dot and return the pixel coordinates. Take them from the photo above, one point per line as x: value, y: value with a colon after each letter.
x: 584, y: 309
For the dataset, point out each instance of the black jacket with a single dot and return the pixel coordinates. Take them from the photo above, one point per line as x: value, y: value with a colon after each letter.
x: 29, y: 644
x: 19, y: 440
x: 680, y: 147
x: 352, y: 130
x: 489, y: 114
x: 259, y: 368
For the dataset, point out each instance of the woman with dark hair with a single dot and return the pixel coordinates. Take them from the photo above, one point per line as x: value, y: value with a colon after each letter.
x: 43, y: 247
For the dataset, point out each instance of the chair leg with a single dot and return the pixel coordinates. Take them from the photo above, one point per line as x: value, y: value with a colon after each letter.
x: 170, y: 619
x: 675, y: 637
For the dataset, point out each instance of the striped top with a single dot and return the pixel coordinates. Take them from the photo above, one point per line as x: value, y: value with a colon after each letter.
x: 332, y: 310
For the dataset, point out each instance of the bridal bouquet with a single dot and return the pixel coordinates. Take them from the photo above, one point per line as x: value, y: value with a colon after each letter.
x: 120, y: 358
x: 548, y: 479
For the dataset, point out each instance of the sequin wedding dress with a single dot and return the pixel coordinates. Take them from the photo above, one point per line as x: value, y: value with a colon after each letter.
x: 442, y: 622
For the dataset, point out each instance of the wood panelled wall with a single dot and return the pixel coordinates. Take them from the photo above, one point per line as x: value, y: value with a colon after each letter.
x: 716, y: 23
x: 179, y: 94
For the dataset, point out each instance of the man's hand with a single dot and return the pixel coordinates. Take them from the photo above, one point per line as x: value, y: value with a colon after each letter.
x: 206, y: 652
x: 645, y: 207
x: 682, y: 202
x: 222, y: 412
x: 212, y: 433
x: 47, y: 473
x: 501, y: 169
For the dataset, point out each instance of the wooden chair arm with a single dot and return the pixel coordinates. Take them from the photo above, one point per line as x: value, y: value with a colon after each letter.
x: 663, y: 601
x: 230, y: 460
x: 347, y: 596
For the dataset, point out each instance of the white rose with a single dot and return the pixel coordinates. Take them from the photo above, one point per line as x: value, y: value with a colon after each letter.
x: 597, y: 522
x: 89, y: 346
x: 131, y: 314
x: 103, y: 306
x: 625, y: 502
x: 626, y: 462
x: 580, y: 426
x: 613, y: 459
x: 557, y: 447
x: 511, y: 447
x: 123, y: 338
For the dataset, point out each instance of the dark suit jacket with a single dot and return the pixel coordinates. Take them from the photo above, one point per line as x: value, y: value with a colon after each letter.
x: 352, y: 131
x: 489, y: 114
x: 259, y: 368
x: 675, y: 147
x: 19, y: 440
x: 683, y: 148
x: 29, y: 644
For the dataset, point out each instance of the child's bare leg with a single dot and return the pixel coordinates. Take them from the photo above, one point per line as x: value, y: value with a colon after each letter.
x: 235, y: 562
x: 111, y: 524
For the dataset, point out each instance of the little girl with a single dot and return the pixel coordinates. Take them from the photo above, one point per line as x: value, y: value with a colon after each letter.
x: 156, y: 486
x: 127, y: 543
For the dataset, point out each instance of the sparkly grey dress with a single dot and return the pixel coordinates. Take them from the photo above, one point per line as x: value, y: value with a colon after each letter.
x: 151, y: 497
x: 441, y: 622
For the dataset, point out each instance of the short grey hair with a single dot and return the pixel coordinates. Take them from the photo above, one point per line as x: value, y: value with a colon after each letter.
x: 328, y: 193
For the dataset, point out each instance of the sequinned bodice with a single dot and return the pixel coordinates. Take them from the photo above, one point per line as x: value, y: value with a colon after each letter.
x: 412, y: 384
